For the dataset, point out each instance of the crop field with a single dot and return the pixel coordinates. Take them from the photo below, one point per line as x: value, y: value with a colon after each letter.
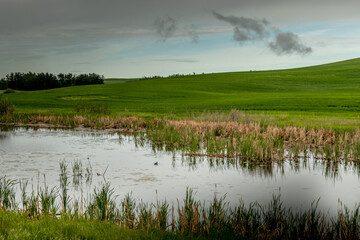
x: 318, y: 96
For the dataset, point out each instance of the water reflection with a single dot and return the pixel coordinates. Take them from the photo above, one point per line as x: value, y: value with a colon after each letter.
x: 127, y: 161
x: 329, y: 169
x: 307, y: 161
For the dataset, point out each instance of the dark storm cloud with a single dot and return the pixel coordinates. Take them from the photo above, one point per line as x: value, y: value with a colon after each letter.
x: 288, y: 43
x: 165, y: 27
x: 246, y: 29
x: 168, y: 26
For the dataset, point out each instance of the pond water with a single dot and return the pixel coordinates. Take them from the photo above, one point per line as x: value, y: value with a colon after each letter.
x: 34, y: 155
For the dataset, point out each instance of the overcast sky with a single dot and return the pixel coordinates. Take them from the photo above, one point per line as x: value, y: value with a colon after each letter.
x: 135, y: 38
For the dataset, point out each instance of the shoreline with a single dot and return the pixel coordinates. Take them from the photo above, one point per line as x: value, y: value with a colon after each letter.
x: 241, y: 140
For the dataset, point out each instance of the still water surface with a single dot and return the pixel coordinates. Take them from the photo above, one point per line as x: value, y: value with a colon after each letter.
x: 35, y: 155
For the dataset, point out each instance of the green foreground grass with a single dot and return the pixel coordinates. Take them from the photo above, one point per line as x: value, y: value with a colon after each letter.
x: 319, y: 96
x: 16, y: 225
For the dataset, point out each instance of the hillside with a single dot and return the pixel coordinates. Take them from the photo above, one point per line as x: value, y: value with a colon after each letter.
x: 330, y: 90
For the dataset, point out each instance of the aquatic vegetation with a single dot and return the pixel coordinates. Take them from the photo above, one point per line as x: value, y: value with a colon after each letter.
x: 64, y: 184
x: 216, y: 219
x: 128, y: 206
x: 89, y: 173
x: 250, y: 141
x: 77, y: 168
x: 47, y: 201
x: 77, y: 173
x: 7, y: 193
x: 102, y: 206
x: 24, y: 197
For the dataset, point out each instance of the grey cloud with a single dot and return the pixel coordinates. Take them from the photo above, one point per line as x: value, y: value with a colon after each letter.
x: 43, y: 27
x: 168, y: 27
x: 31, y: 17
x: 165, y: 27
x: 41, y: 15
x: 246, y: 29
x: 288, y: 43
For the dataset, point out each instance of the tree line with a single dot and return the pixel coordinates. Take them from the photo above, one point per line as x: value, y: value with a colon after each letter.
x: 41, y: 81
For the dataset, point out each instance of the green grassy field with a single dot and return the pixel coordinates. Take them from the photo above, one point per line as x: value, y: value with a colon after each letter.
x: 15, y: 225
x: 325, y: 95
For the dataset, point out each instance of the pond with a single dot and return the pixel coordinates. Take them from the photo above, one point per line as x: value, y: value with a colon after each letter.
x: 35, y: 154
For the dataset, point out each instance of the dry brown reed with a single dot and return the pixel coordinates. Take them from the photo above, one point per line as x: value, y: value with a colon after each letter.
x: 246, y: 140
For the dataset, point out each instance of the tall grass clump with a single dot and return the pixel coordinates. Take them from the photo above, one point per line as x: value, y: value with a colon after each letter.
x: 47, y: 200
x: 347, y: 224
x: 189, y: 214
x: 102, y: 204
x: 7, y: 193
x: 24, y: 197
x: 64, y: 184
x: 77, y: 173
x: 128, y: 207
x: 6, y: 107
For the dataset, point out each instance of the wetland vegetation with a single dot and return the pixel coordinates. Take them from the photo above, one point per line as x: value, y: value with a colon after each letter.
x: 190, y: 218
x: 30, y: 205
x: 245, y: 118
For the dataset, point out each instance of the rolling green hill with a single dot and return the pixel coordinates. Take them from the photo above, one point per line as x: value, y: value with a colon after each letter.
x: 328, y: 91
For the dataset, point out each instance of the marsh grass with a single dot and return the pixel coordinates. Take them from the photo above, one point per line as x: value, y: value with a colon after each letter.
x: 102, y: 204
x: 6, y: 107
x: 192, y: 218
x: 77, y: 168
x: 47, y: 201
x: 251, y: 141
x: 64, y: 187
x: 89, y: 173
x: 24, y: 197
x: 77, y: 173
x: 7, y: 193
x: 247, y: 140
